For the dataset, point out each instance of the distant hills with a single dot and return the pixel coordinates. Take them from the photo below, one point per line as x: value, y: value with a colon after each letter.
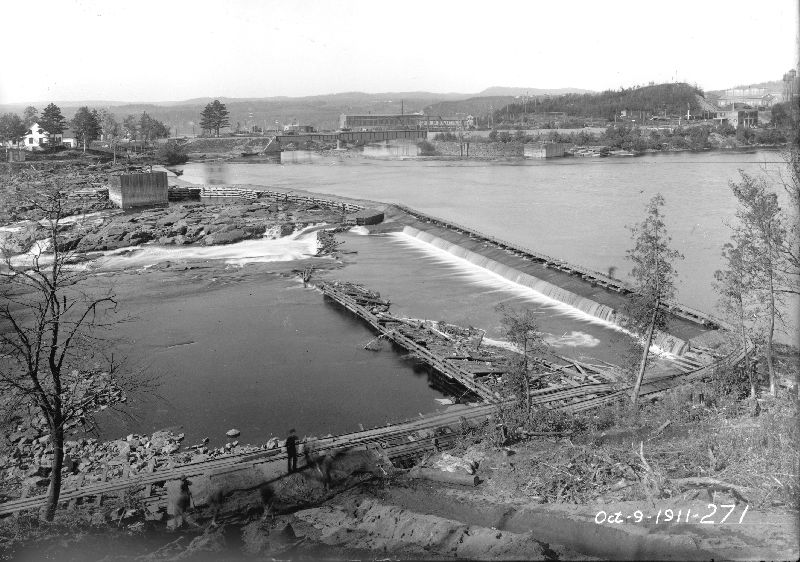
x: 772, y: 86
x: 321, y: 111
x: 505, y: 91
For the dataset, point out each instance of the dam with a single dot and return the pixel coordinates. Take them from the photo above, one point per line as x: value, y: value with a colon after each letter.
x: 574, y: 387
x: 592, y: 293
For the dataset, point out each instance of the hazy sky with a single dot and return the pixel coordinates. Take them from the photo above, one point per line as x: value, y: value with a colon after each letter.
x: 146, y: 50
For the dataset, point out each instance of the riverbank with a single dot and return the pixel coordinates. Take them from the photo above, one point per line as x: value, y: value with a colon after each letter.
x: 591, y: 495
x: 510, y: 470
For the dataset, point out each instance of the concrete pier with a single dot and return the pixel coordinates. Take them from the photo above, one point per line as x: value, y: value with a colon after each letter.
x: 129, y: 191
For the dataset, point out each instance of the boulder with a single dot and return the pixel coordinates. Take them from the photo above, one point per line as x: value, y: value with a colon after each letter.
x: 141, y: 236
x: 114, y: 231
x: 178, y: 229
x: 37, y: 470
x: 158, y: 440
x: 171, y: 219
x: 272, y: 443
x: 228, y: 237
x: 233, y: 433
x: 35, y: 481
x: 16, y: 436
x: 123, y: 448
x: 170, y: 448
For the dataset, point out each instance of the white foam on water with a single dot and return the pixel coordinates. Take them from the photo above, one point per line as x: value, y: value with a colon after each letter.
x: 301, y: 244
x: 573, y: 339
x: 16, y: 227
x: 500, y: 343
x: 360, y: 230
x: 72, y: 219
x: 296, y: 246
x: 37, y: 252
x: 491, y: 280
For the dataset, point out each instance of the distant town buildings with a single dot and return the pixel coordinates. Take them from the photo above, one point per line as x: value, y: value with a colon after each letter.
x: 298, y: 129
x: 754, y: 97
x: 744, y: 117
x: 383, y: 122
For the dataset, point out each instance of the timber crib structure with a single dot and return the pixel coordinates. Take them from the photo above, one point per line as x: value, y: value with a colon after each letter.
x: 362, y: 303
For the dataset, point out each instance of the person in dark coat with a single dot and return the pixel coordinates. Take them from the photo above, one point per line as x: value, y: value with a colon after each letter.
x: 291, y: 451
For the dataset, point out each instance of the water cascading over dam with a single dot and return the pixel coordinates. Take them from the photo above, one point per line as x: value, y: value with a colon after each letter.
x: 664, y: 341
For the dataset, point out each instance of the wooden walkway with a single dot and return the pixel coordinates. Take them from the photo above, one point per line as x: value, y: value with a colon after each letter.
x: 396, y: 441
x: 387, y: 328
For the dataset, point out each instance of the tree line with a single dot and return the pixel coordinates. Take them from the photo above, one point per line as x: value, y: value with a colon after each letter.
x: 44, y: 349
x: 761, y: 270
x: 656, y: 99
x: 88, y: 125
x: 637, y: 139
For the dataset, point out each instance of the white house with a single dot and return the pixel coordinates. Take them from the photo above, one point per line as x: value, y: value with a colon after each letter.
x: 38, y: 137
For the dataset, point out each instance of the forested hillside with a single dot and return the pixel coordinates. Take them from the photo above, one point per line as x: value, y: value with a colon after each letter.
x: 672, y: 98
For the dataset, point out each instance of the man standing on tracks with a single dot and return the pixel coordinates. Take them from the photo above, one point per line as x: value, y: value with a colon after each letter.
x: 291, y: 451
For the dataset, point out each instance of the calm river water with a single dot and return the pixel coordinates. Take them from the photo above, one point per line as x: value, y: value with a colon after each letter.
x: 574, y: 208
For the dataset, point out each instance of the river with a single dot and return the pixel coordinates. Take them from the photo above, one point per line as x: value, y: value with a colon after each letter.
x: 235, y: 345
x: 573, y: 208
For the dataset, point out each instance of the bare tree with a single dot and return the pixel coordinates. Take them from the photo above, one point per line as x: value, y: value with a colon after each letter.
x: 654, y: 281
x: 50, y: 331
x: 520, y: 328
x: 111, y: 131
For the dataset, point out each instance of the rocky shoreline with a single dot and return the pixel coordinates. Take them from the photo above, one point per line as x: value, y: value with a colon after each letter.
x: 25, y: 442
x: 178, y: 225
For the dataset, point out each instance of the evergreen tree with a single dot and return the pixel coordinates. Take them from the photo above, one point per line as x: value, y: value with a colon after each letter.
x: 735, y: 285
x: 654, y: 279
x: 520, y: 328
x: 87, y: 125
x: 214, y: 117
x: 762, y: 223
x: 52, y: 122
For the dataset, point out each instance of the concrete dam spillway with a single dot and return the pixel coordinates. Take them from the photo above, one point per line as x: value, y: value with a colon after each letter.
x: 589, y: 306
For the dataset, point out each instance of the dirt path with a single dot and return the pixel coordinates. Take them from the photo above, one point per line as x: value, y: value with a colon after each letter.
x: 416, y: 517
